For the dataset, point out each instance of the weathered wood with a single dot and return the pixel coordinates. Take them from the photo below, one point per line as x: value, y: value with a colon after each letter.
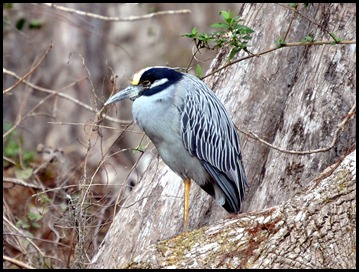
x: 293, y: 98
x: 315, y: 229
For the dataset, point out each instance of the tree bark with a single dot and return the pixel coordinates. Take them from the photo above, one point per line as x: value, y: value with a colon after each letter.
x: 294, y: 98
x: 314, y: 229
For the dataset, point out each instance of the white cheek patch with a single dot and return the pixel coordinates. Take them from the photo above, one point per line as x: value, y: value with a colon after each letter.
x: 159, y: 82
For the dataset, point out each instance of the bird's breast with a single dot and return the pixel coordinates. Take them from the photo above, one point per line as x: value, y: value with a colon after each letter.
x: 160, y: 120
x: 156, y: 117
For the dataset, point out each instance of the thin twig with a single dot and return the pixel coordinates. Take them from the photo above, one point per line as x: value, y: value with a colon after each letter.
x: 31, y: 70
x: 62, y: 95
x: 273, y: 49
x: 38, y: 239
x: 320, y: 26
x: 117, y: 19
x: 16, y: 262
x: 289, y: 26
x: 21, y: 182
x: 6, y: 220
x: 87, y: 72
x: 68, y: 187
x: 306, y: 152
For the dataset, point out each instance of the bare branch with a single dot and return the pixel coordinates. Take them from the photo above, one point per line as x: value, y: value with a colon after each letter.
x: 289, y: 26
x: 65, y: 96
x: 16, y: 262
x: 31, y: 70
x: 10, y: 224
x: 296, y: 11
x: 306, y: 152
x: 276, y: 48
x: 117, y: 19
x: 21, y: 182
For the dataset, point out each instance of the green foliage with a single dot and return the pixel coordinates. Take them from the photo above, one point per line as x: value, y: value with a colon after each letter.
x: 140, y: 149
x: 23, y: 173
x: 335, y: 38
x: 35, y: 24
x: 11, y: 147
x: 198, y: 71
x: 280, y: 42
x: 24, y: 224
x: 307, y: 39
x: 293, y: 5
x: 230, y: 32
x: 20, y: 24
x: 31, y: 220
x: 44, y: 199
x: 7, y: 5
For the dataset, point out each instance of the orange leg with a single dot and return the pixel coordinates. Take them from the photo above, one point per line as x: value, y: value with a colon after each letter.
x: 187, y: 186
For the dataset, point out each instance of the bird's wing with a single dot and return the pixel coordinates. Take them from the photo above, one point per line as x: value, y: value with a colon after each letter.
x: 209, y: 134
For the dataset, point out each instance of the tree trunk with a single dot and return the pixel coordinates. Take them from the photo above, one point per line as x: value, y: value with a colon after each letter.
x: 306, y: 232
x: 293, y: 98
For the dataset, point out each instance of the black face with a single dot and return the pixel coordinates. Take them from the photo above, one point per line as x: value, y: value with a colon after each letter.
x: 154, y: 75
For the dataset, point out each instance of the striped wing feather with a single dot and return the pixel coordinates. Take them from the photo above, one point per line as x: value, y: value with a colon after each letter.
x: 209, y: 134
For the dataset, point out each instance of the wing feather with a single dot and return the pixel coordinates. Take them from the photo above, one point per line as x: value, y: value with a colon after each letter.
x: 209, y: 134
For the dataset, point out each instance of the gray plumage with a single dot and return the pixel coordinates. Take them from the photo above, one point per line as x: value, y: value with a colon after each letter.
x: 191, y: 130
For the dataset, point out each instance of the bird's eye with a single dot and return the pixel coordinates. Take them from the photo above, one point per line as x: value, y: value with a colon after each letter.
x: 146, y: 83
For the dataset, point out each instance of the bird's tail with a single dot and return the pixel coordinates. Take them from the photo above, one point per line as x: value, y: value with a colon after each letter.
x: 226, y: 186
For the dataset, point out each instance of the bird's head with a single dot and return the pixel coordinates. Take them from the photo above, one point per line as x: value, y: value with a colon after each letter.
x: 148, y: 81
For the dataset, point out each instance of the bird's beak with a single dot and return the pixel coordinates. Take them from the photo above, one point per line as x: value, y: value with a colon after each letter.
x: 131, y: 92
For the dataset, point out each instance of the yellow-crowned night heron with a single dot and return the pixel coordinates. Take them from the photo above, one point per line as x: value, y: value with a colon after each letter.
x: 191, y: 130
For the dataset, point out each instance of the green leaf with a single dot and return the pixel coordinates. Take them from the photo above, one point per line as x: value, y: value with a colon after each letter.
x: 35, y: 24
x: 248, y: 37
x: 336, y: 39
x: 11, y: 148
x: 23, y: 173
x: 44, y: 199
x: 203, y: 37
x: 140, y: 148
x: 220, y: 42
x: 231, y: 33
x: 28, y: 156
x: 20, y: 24
x: 34, y: 216
x: 244, y: 29
x: 226, y: 15
x: 22, y: 224
x: 219, y: 25
x: 7, y: 5
x: 188, y: 35
x: 35, y: 225
x: 193, y: 34
x: 280, y: 42
x: 307, y: 39
x: 233, y: 52
x: 198, y: 70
